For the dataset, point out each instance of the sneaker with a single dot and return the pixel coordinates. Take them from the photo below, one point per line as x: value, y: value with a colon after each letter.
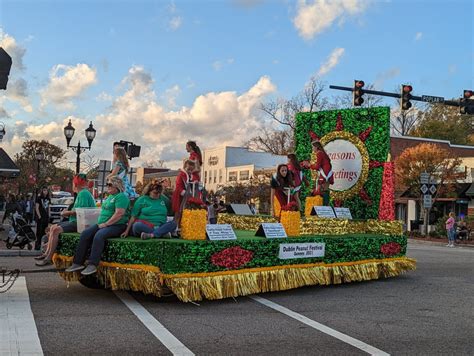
x: 90, y: 269
x: 39, y: 258
x: 44, y: 263
x: 448, y: 245
x: 146, y: 236
x: 74, y: 268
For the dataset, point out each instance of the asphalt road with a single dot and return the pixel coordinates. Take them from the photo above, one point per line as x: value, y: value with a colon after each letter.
x: 426, y: 312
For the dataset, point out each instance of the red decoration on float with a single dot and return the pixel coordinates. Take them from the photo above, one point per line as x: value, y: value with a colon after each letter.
x: 365, y: 134
x: 339, y: 123
x: 375, y: 164
x: 390, y: 249
x: 232, y: 257
x: 387, y: 195
x: 365, y: 197
x: 314, y: 137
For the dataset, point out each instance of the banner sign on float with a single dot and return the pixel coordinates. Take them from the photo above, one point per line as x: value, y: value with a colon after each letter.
x: 301, y: 250
x: 346, y: 163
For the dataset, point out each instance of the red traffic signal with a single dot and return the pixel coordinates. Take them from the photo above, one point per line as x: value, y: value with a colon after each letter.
x: 357, y: 92
x: 405, y: 97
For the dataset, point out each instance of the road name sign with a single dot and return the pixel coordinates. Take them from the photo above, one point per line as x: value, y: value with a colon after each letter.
x: 432, y: 99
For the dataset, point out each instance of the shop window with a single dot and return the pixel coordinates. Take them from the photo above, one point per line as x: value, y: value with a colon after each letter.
x: 244, y: 175
x: 233, y: 176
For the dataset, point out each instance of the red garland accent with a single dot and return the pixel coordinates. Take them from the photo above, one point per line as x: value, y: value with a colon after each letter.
x: 292, y: 206
x: 314, y: 137
x: 390, y: 249
x: 232, y: 257
x: 195, y: 203
x: 365, y: 197
x: 339, y: 123
x: 364, y: 134
x: 375, y: 164
x: 337, y: 203
x: 387, y: 195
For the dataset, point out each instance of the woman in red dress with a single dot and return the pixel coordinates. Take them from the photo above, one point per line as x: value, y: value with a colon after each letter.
x: 195, y: 156
x: 294, y: 167
x: 183, y: 180
x: 281, y: 185
x: 323, y: 167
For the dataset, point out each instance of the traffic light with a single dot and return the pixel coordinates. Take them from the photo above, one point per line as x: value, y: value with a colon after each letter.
x: 405, y: 97
x: 357, y: 92
x: 5, y: 65
x: 466, y: 105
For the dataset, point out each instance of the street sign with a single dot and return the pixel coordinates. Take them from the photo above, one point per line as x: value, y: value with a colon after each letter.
x: 427, y: 201
x: 432, y: 189
x: 424, y: 178
x: 432, y: 99
x: 424, y: 188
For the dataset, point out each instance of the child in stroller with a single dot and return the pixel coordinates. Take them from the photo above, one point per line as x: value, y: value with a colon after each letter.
x: 20, y: 234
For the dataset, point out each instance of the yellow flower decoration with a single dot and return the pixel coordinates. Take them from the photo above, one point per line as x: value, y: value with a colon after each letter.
x: 193, y: 224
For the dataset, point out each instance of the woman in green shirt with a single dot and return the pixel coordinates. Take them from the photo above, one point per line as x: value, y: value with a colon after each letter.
x: 150, y: 214
x: 111, y: 223
x: 84, y: 199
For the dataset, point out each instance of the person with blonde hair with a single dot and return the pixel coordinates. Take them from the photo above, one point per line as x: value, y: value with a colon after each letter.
x: 84, y: 199
x: 111, y: 223
x: 450, y: 229
x: 120, y: 168
x: 149, y: 217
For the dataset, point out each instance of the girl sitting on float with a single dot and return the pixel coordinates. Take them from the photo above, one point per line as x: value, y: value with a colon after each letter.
x: 186, y: 186
x: 323, y: 168
x: 150, y: 213
x: 84, y: 199
x: 281, y: 188
x: 294, y: 167
x: 120, y: 169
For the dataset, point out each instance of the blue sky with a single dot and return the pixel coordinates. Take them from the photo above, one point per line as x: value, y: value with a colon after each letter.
x: 161, y: 72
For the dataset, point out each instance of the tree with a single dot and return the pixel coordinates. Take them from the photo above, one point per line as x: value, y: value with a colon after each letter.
x: 445, y: 123
x: 48, y: 167
x: 430, y: 158
x: 403, y: 122
x: 282, y: 112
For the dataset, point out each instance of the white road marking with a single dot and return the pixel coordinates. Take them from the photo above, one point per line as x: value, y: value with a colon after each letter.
x: 157, y: 329
x: 18, y: 333
x: 318, y: 326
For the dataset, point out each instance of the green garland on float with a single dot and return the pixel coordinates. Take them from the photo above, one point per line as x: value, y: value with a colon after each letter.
x: 181, y: 256
x: 375, y: 123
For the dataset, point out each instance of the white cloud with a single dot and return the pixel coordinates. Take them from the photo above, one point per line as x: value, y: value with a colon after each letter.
x: 175, y: 23
x: 384, y: 76
x: 314, y: 17
x: 170, y: 96
x: 18, y: 91
x: 219, y: 64
x: 15, y: 51
x: 103, y: 96
x: 331, y: 61
x: 418, y: 36
x: 67, y: 83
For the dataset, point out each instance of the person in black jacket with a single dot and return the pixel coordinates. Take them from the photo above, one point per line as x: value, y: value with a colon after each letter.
x: 11, y: 207
x: 43, y: 202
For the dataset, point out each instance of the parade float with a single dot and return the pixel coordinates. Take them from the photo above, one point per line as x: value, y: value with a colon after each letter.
x: 251, y: 256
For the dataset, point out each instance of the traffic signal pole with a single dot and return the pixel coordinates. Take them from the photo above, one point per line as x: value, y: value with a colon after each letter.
x: 424, y: 98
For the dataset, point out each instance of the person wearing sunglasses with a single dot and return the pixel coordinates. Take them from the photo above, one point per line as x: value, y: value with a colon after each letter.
x: 111, y: 223
x: 150, y: 214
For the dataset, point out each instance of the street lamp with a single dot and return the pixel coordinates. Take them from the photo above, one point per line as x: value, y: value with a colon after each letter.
x: 69, y: 133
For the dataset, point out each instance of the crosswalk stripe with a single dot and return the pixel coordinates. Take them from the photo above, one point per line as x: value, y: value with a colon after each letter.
x: 18, y: 333
x: 318, y: 326
x: 156, y: 328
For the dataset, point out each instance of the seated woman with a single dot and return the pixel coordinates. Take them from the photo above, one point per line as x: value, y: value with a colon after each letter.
x: 84, y: 199
x: 149, y: 214
x: 281, y: 185
x: 111, y: 223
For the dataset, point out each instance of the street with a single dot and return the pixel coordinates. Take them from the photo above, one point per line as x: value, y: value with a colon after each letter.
x: 426, y: 312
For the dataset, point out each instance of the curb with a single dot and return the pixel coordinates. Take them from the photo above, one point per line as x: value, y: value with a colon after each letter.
x: 433, y: 243
x: 16, y: 253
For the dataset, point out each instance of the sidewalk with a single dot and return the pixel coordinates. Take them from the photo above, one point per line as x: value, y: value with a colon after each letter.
x: 439, y: 242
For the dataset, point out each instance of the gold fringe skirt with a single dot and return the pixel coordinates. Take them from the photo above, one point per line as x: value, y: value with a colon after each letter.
x: 218, y: 285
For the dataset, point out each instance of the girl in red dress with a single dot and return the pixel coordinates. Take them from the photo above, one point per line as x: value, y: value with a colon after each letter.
x: 323, y: 167
x: 183, y: 180
x: 195, y: 156
x: 294, y: 167
x: 280, y: 183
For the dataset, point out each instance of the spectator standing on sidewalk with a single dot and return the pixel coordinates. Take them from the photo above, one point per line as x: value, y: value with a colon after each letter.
x: 42, y: 205
x: 451, y: 229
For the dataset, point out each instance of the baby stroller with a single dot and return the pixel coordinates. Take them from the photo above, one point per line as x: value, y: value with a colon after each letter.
x: 20, y: 234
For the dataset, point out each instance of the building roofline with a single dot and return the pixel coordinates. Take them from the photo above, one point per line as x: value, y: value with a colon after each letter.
x: 434, y: 140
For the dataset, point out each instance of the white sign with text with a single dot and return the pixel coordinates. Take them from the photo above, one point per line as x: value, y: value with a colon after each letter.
x: 343, y: 213
x: 346, y: 163
x: 301, y: 250
x: 271, y: 231
x: 219, y: 232
x: 324, y: 212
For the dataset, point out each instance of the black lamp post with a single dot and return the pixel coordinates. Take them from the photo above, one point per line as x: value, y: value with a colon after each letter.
x: 90, y: 135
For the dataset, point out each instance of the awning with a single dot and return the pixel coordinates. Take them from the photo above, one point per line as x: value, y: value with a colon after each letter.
x: 8, y: 168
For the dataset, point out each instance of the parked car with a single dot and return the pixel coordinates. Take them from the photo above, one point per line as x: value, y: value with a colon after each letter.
x: 57, y: 206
